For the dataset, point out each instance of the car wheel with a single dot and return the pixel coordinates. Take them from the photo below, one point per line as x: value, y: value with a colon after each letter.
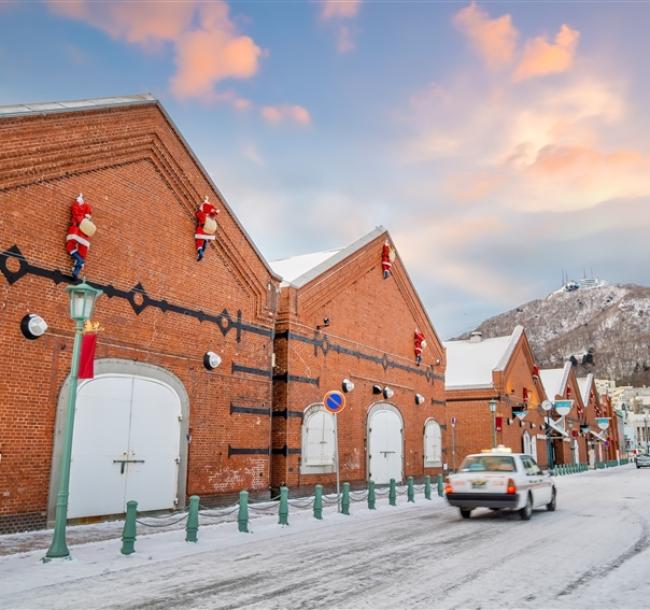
x: 495, y: 509
x: 526, y: 511
x: 551, y: 505
x: 638, y: 466
x: 465, y: 512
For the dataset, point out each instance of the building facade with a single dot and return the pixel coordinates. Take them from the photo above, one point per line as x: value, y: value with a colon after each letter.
x: 350, y: 318
x: 155, y: 424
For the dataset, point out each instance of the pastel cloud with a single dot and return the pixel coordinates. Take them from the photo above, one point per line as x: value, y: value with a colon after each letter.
x: 495, y: 40
x: 207, y: 46
x: 292, y: 113
x: 541, y: 57
x: 339, y: 9
x: 211, y: 53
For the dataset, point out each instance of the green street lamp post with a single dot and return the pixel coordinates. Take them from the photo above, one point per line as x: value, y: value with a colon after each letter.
x: 493, y: 410
x: 82, y: 303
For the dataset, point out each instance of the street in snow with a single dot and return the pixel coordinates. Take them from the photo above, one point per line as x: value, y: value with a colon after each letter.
x: 592, y: 552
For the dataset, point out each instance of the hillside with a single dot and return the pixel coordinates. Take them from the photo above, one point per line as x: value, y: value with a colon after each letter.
x: 606, y: 328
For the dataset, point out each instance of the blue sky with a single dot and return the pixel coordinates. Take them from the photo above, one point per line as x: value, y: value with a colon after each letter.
x: 499, y: 142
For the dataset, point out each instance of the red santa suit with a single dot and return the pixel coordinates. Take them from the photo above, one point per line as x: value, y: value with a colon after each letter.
x: 76, y: 240
x: 387, y: 258
x: 419, y: 344
x: 206, y: 210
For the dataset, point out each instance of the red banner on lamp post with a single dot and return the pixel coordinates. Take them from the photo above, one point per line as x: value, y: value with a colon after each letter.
x: 87, y: 356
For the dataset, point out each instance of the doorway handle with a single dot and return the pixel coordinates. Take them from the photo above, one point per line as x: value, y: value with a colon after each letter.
x: 125, y: 461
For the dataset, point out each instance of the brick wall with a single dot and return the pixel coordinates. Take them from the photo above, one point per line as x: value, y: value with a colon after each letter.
x: 370, y: 319
x: 143, y: 185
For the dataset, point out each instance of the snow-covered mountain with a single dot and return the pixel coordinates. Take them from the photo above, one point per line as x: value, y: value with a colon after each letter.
x: 604, y: 327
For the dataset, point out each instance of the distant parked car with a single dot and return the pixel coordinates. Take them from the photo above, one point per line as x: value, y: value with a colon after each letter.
x: 500, y: 479
x: 642, y: 460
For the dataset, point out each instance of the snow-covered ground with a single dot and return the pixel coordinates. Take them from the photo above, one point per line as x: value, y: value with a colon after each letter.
x: 593, y: 552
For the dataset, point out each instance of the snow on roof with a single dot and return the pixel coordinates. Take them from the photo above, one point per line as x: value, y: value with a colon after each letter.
x: 585, y: 383
x: 554, y: 380
x: 300, y: 270
x: 470, y: 363
x: 293, y: 267
x: 94, y: 103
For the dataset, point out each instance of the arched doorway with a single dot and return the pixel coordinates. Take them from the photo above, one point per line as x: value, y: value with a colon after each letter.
x: 129, y: 440
x: 385, y: 444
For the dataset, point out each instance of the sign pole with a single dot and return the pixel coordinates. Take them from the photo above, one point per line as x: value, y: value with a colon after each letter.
x: 338, y: 482
x: 334, y: 402
x: 453, y: 447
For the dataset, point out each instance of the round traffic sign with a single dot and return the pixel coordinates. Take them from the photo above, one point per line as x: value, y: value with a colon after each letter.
x: 547, y: 405
x: 334, y: 401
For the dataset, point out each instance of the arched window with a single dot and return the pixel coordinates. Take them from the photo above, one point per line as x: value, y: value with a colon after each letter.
x: 318, y: 441
x: 432, y: 444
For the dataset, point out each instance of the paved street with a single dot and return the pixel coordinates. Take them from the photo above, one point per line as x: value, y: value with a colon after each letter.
x: 592, y: 552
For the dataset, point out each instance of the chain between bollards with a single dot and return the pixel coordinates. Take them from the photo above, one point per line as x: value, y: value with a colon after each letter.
x: 345, y: 500
x: 242, y: 516
x: 128, y: 533
x: 284, y: 506
x: 192, y: 524
x: 427, y: 487
x: 410, y: 490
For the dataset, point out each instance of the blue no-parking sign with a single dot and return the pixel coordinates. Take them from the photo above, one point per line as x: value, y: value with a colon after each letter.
x: 334, y: 401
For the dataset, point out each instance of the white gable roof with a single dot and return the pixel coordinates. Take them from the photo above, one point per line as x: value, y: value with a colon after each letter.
x: 67, y: 106
x: 555, y: 380
x: 471, y: 363
x: 300, y: 270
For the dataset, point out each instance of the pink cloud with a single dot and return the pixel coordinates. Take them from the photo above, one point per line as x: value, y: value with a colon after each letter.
x: 286, y: 113
x: 541, y: 57
x: 339, y: 9
x: 495, y: 40
x: 345, y: 42
x: 207, y: 46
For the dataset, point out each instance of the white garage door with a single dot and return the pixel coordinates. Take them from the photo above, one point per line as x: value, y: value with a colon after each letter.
x: 384, y: 445
x: 125, y: 447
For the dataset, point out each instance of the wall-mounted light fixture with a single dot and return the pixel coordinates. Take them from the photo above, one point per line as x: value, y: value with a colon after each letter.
x: 388, y: 392
x: 347, y: 385
x: 211, y: 360
x: 377, y: 389
x: 326, y: 322
x: 419, y: 399
x: 33, y: 326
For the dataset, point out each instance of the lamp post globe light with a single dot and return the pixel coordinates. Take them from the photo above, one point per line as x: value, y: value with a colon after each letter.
x: 493, y: 409
x: 82, y: 304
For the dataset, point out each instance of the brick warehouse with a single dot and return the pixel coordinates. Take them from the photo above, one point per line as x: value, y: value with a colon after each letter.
x: 339, y: 319
x: 503, y: 369
x: 161, y: 311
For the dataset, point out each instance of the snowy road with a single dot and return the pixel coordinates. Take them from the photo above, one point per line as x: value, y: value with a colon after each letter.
x: 594, y: 552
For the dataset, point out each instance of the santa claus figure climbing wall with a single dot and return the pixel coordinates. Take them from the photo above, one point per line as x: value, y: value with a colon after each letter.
x: 387, y: 259
x: 419, y: 344
x: 81, y: 229
x: 206, y: 227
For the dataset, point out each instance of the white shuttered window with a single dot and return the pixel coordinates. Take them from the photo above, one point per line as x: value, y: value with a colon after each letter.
x: 432, y: 444
x: 318, y: 441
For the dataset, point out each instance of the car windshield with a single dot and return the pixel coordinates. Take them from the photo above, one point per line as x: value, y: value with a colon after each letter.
x: 488, y: 463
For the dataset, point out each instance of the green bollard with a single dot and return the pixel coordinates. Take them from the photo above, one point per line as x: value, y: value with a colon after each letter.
x: 128, y: 533
x: 284, y: 506
x: 427, y: 487
x: 345, y: 500
x: 392, y: 493
x: 371, y: 495
x: 441, y: 487
x: 242, y: 515
x: 318, y: 502
x: 192, y: 523
x: 410, y: 490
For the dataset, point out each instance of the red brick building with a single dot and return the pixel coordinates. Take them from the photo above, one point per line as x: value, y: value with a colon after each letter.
x: 339, y: 319
x: 155, y: 425
x: 600, y: 445
x: 500, y: 369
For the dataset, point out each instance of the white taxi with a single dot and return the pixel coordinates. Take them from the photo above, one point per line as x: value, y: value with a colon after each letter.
x: 500, y: 479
